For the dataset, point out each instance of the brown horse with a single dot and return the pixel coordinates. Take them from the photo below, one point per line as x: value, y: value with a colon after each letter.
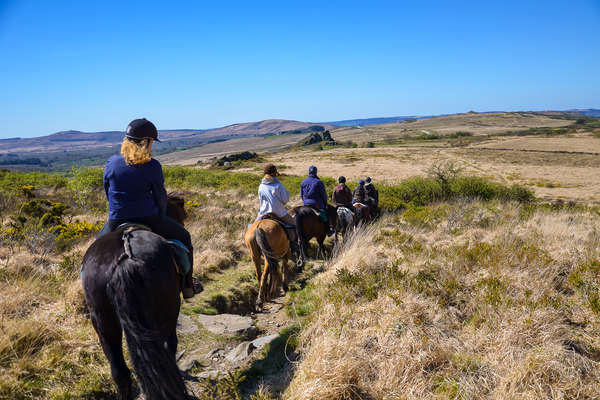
x: 266, y: 237
x: 133, y: 287
x: 362, y: 214
x: 310, y: 225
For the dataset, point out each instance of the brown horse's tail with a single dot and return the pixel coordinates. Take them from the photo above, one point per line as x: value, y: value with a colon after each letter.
x: 130, y: 287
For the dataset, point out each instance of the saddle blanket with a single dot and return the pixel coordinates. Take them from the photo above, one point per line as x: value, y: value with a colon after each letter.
x: 180, y: 251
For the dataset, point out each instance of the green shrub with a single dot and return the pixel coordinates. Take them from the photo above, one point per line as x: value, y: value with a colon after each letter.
x: 14, y: 180
x: 86, y: 184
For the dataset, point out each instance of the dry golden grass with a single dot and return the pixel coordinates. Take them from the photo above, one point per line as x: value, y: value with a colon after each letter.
x: 550, y: 175
x: 577, y: 143
x: 477, y: 124
x: 478, y: 305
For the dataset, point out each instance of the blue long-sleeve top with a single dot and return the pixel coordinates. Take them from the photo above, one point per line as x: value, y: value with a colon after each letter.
x: 134, y: 191
x: 313, y: 192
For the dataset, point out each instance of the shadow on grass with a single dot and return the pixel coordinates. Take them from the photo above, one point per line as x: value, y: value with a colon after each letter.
x: 274, y: 369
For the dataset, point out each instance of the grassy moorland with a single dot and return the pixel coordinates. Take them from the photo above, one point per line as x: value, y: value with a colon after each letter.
x: 465, y: 288
x: 459, y: 300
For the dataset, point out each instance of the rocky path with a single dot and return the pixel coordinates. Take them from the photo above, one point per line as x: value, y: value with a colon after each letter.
x: 212, y: 346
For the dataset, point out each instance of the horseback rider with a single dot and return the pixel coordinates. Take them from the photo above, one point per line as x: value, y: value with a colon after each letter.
x: 342, y: 196
x: 134, y: 187
x: 359, y: 194
x: 273, y: 196
x: 314, y: 194
x: 372, y: 193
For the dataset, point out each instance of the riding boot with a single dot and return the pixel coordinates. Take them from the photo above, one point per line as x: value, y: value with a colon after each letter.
x: 293, y: 238
x: 188, y: 290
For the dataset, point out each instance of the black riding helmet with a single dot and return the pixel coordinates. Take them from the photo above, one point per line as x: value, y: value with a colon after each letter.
x: 342, y: 179
x: 141, y: 128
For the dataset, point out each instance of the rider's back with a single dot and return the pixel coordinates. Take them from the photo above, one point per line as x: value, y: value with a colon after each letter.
x: 313, y: 192
x: 272, y: 196
x: 133, y: 191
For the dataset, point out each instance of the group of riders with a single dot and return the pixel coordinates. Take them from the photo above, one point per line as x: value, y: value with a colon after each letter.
x: 273, y: 197
x: 134, y: 187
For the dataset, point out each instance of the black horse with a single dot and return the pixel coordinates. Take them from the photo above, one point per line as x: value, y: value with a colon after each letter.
x: 309, y: 225
x: 140, y: 296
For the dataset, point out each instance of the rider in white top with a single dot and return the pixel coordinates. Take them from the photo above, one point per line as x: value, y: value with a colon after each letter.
x: 273, y: 196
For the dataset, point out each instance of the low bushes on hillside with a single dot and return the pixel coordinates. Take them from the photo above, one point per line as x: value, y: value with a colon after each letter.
x: 419, y: 191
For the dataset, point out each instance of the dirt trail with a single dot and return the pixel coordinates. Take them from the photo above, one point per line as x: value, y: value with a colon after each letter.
x: 206, y: 355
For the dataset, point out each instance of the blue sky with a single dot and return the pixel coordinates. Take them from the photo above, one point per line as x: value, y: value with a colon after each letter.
x: 95, y: 65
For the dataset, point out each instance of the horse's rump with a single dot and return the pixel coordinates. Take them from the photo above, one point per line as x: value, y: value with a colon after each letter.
x: 140, y: 289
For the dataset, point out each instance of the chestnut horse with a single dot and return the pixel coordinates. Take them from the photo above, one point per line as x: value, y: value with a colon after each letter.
x: 136, y: 291
x: 267, y: 238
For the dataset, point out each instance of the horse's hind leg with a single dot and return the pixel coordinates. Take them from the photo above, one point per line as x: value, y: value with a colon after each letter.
x: 284, y: 273
x: 275, y: 280
x: 320, y: 240
x: 262, y: 285
x: 109, y: 331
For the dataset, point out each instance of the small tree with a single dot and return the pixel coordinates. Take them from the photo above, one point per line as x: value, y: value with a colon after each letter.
x: 86, y: 183
x: 444, y: 172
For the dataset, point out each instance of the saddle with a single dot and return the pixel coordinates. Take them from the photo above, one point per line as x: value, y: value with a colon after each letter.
x: 290, y: 230
x: 278, y: 220
x: 179, y: 251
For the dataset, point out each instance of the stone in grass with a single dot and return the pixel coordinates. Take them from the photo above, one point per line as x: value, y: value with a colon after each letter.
x: 264, y: 340
x: 228, y: 324
x: 195, y: 359
x: 240, y: 352
x: 186, y: 325
x: 244, y: 349
x: 210, y: 374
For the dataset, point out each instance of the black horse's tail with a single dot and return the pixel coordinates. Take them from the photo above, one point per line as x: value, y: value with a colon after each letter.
x: 301, y: 213
x: 263, y: 245
x: 154, y: 363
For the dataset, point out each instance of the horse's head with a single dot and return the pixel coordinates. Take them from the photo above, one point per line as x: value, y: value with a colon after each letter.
x: 175, y: 207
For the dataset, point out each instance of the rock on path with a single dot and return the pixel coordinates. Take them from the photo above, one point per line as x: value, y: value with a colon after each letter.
x: 228, y: 324
x: 186, y: 325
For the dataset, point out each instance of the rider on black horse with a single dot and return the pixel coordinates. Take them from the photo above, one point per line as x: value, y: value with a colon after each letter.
x: 134, y: 186
x: 273, y: 196
x: 314, y: 194
x: 371, y: 192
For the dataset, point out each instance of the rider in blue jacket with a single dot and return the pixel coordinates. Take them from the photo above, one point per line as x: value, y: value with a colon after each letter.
x: 313, y: 194
x: 312, y: 190
x: 135, y: 189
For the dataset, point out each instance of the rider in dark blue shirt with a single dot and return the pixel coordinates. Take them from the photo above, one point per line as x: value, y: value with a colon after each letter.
x: 134, y: 186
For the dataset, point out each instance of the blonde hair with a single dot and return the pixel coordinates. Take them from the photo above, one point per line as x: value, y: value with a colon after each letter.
x: 136, y: 152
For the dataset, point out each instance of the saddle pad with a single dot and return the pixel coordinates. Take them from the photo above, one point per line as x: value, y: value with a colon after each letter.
x: 274, y: 217
x: 182, y: 257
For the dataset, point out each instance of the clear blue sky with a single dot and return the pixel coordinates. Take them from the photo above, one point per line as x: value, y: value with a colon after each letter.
x: 95, y: 65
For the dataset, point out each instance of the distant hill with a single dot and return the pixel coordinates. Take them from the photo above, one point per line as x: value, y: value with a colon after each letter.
x: 174, y: 138
x: 373, y: 121
x: 590, y: 112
